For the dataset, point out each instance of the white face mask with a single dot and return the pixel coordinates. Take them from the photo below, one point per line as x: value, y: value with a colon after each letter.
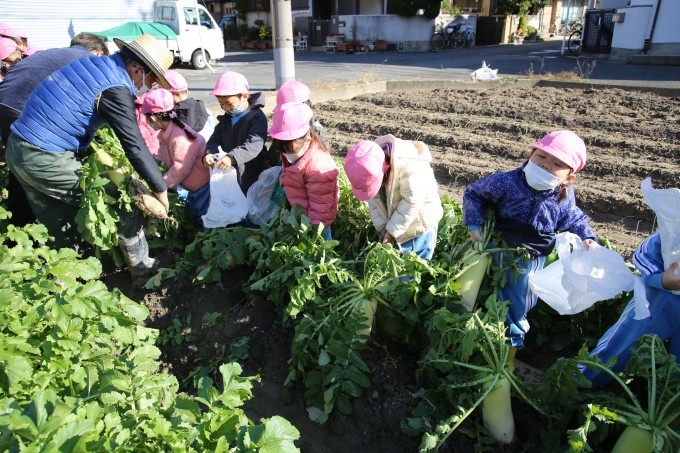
x: 540, y: 179
x: 143, y: 89
x: 293, y: 157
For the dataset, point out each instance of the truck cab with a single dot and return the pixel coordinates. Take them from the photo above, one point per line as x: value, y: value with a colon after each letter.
x: 193, y: 25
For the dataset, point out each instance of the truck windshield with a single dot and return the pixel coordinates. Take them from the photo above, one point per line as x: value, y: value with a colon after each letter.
x: 190, y: 17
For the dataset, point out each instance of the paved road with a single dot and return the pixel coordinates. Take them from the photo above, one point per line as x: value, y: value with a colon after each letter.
x: 319, y: 68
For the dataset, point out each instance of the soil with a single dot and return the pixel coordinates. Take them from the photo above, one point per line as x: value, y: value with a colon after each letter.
x: 471, y: 133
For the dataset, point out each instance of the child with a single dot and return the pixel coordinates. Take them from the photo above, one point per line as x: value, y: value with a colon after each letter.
x: 664, y: 307
x: 149, y: 134
x: 396, y: 179
x: 309, y: 177
x: 190, y: 111
x: 181, y: 149
x: 531, y: 203
x: 294, y: 91
x: 9, y: 55
x: 18, y: 36
x: 241, y: 132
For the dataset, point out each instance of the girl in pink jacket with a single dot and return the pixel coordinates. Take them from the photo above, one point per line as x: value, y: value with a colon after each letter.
x: 310, y: 176
x: 180, y: 148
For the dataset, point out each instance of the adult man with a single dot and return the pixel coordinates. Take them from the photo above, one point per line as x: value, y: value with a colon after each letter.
x: 14, y: 92
x: 57, y: 124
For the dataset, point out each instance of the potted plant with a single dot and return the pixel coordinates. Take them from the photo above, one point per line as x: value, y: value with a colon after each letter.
x: 342, y: 47
x: 380, y: 45
x: 518, y: 37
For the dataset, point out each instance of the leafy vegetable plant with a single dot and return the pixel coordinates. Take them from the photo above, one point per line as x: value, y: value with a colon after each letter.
x: 649, y: 427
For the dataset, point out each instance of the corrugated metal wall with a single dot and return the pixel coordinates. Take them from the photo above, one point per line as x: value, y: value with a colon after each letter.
x: 52, y: 23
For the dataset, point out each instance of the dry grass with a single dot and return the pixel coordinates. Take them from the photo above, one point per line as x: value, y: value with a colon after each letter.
x: 582, y: 72
x: 366, y: 77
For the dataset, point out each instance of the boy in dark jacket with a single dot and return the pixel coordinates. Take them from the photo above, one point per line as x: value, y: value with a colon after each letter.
x: 241, y: 133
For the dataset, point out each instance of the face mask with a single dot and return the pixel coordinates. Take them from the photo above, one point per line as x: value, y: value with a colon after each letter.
x: 293, y: 157
x: 539, y: 179
x: 143, y: 88
x: 237, y: 111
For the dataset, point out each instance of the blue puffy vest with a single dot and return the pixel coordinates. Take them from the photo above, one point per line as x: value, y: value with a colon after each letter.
x: 60, y: 113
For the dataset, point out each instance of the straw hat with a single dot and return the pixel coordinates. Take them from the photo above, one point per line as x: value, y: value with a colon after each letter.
x: 152, y: 53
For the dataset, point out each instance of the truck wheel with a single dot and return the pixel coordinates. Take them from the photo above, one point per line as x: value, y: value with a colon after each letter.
x: 197, y: 60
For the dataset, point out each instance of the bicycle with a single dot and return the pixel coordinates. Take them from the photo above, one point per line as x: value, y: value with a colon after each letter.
x: 453, y: 36
x: 572, y: 26
x: 574, y: 42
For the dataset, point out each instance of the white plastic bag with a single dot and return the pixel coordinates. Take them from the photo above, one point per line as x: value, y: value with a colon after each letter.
x: 581, y: 277
x: 228, y: 205
x: 261, y: 207
x: 484, y: 73
x: 666, y: 205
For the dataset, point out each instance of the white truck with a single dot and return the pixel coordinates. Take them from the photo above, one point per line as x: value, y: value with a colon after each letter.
x: 176, y: 22
x: 194, y: 29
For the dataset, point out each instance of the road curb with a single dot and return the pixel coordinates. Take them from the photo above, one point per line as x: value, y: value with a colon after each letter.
x: 347, y: 92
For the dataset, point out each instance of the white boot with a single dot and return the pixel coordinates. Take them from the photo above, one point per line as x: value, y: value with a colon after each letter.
x: 135, y: 252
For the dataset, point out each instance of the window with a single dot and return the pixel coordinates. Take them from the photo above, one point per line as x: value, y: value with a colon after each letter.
x: 165, y: 13
x: 299, y: 5
x: 190, y: 17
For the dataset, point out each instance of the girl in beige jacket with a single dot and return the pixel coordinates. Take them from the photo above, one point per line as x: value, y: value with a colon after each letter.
x: 396, y: 179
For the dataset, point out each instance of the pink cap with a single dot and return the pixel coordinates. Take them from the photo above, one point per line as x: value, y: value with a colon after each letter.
x: 7, y: 46
x: 292, y: 91
x: 31, y: 49
x: 291, y: 121
x: 176, y: 81
x: 565, y: 146
x: 230, y: 83
x: 11, y: 32
x: 365, y: 166
x: 157, y: 101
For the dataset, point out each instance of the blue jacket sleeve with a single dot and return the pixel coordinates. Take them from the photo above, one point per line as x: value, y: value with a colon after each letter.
x: 649, y: 261
x: 572, y: 219
x: 479, y: 196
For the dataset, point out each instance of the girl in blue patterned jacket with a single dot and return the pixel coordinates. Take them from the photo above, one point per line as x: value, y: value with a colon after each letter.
x: 532, y: 204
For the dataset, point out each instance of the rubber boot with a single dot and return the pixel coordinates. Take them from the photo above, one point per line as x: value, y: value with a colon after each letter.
x: 135, y: 252
x: 511, y: 358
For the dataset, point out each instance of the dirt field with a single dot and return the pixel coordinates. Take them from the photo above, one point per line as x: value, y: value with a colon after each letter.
x: 630, y: 136
x: 471, y: 133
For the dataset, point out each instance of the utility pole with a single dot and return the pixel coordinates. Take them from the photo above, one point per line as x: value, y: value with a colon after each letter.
x: 282, y: 31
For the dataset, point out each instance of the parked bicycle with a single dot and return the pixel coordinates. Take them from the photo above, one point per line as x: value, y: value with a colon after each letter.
x: 574, y: 41
x: 455, y: 36
x: 572, y: 26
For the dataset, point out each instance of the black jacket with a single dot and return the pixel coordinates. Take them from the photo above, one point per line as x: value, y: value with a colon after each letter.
x: 244, y: 141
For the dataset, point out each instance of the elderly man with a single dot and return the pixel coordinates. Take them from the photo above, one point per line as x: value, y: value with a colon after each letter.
x: 14, y: 92
x: 59, y: 121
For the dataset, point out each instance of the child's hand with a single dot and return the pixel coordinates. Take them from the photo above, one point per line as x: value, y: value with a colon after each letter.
x: 208, y: 160
x: 669, y: 280
x: 224, y: 163
x: 587, y: 243
x: 476, y: 236
x: 388, y: 238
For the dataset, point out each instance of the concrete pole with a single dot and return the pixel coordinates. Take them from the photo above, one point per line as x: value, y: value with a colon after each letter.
x: 282, y: 31
x: 566, y: 26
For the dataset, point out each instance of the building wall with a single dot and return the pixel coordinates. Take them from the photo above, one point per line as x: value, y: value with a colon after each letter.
x: 629, y: 36
x: 414, y: 32
x: 50, y: 23
x: 667, y: 30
